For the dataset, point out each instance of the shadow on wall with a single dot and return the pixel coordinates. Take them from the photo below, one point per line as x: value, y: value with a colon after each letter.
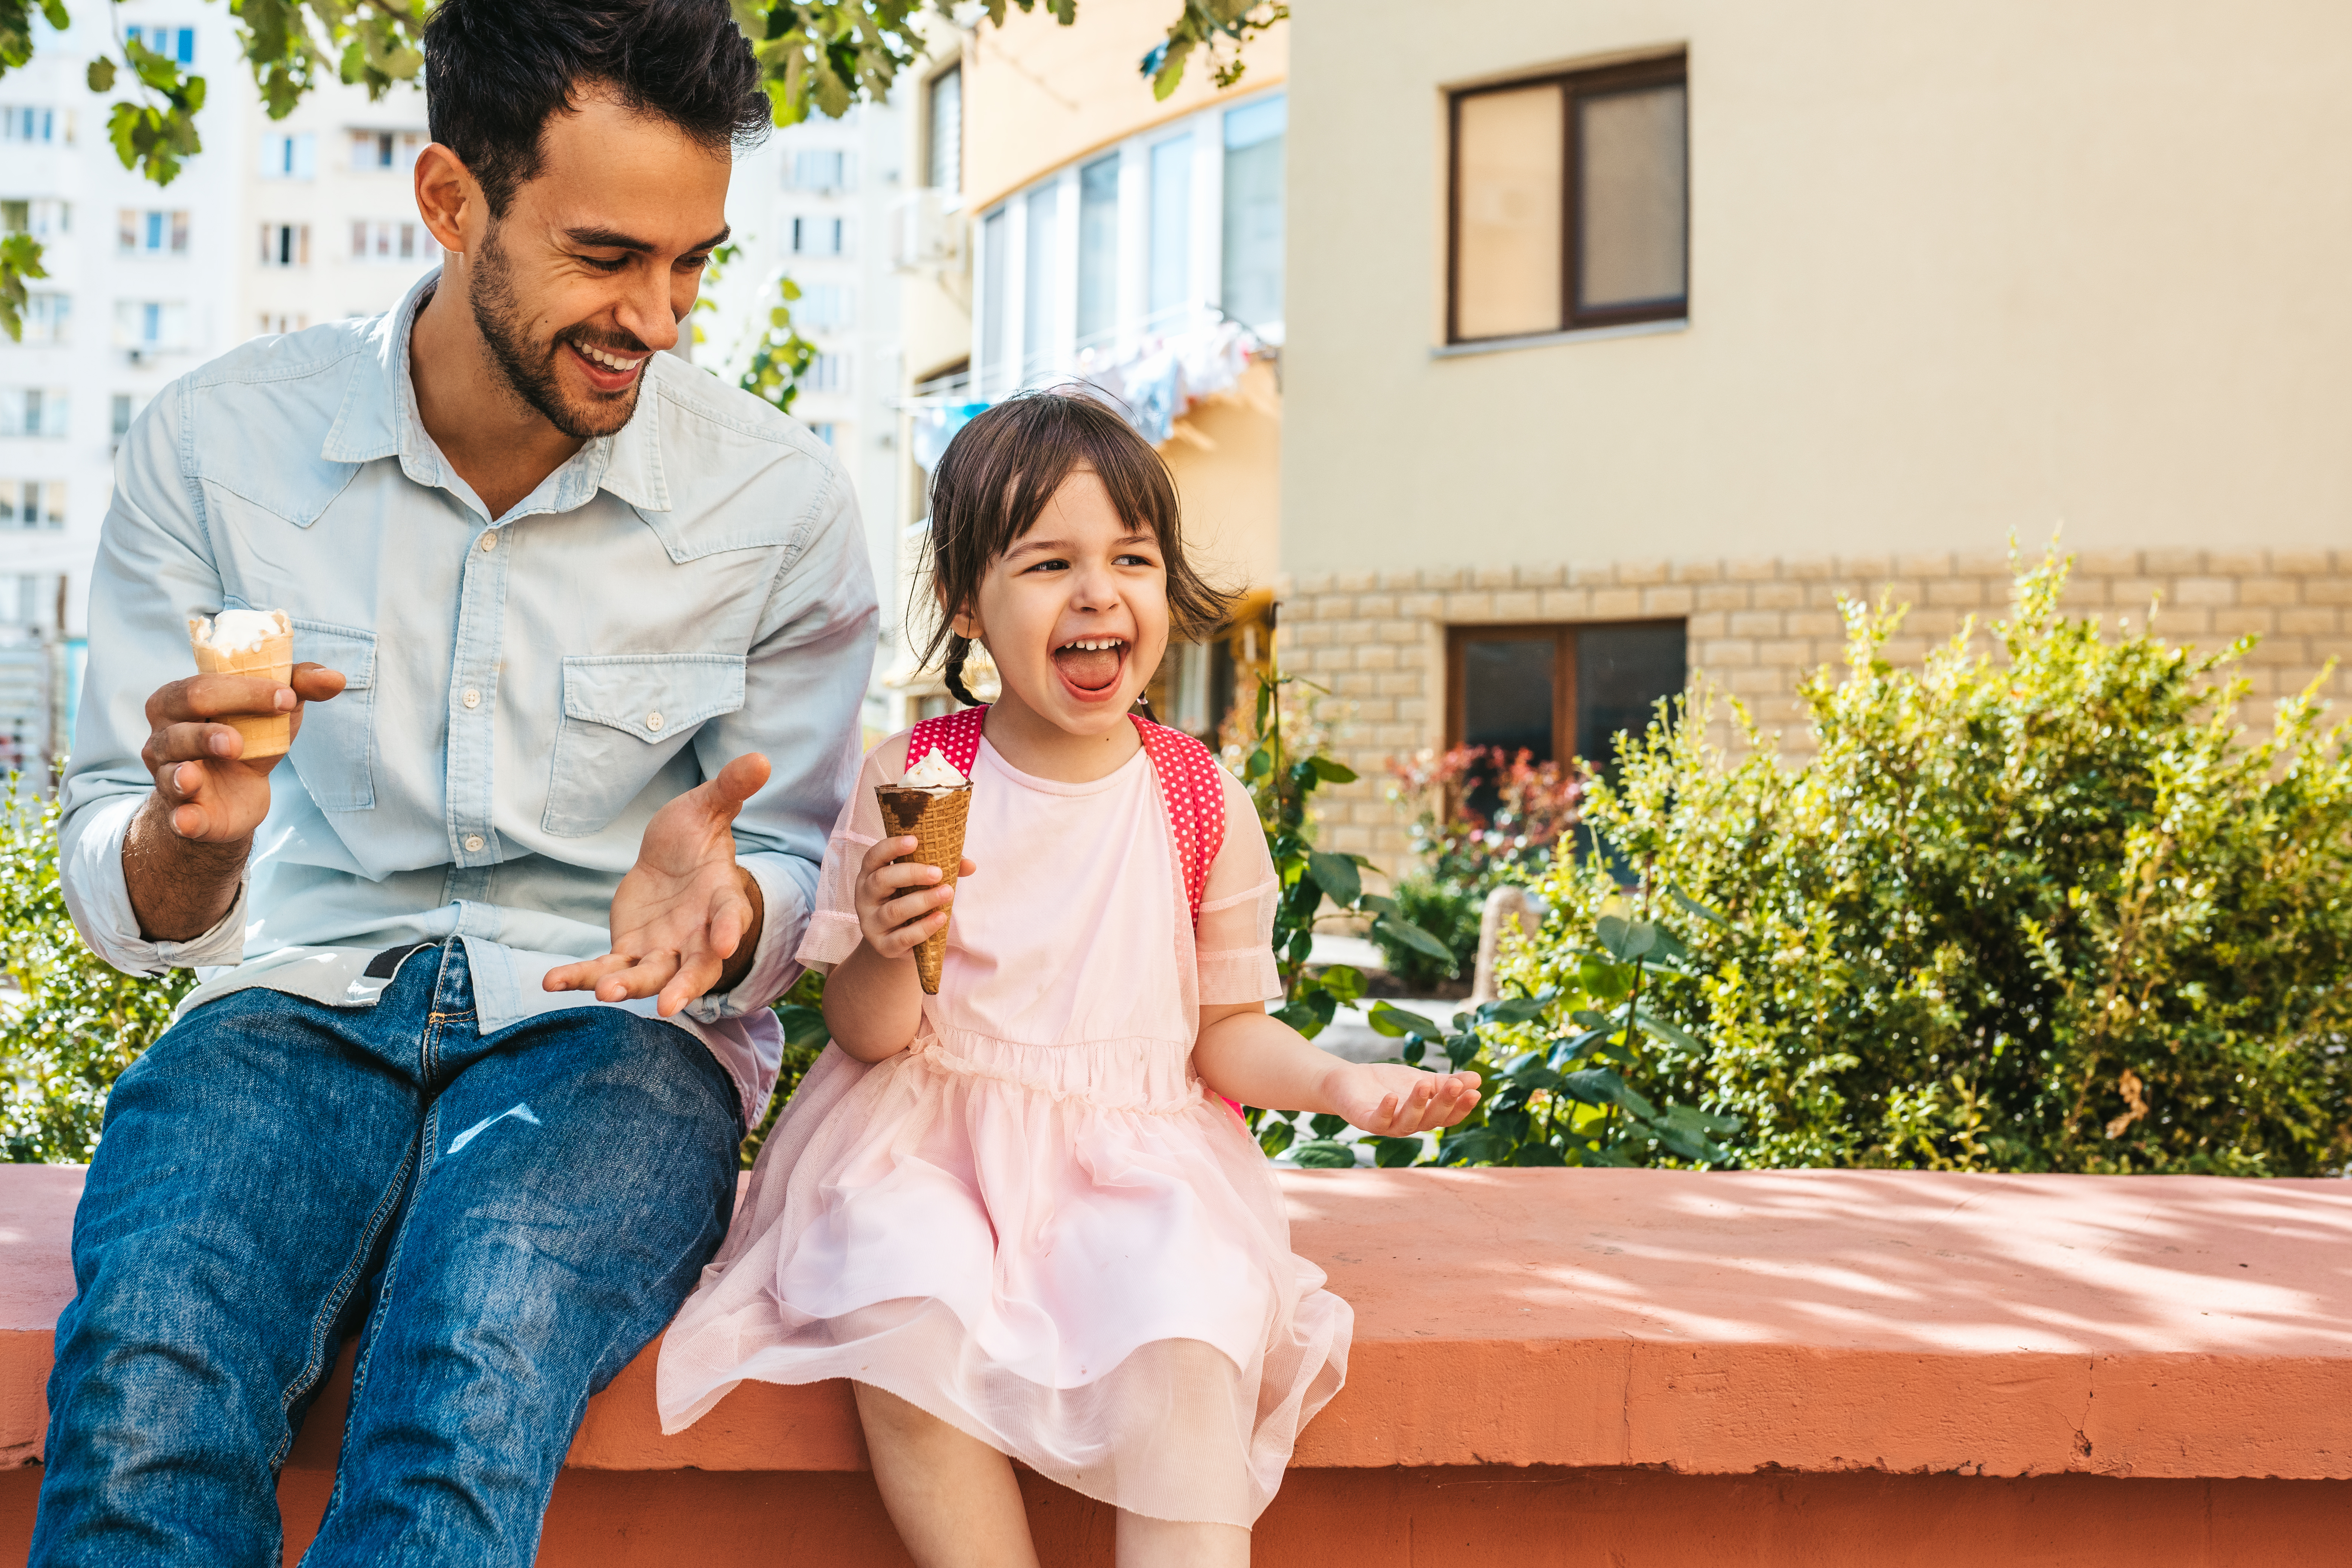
x: 1863, y: 1260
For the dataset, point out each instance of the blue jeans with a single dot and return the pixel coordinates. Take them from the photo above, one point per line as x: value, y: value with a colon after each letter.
x: 505, y: 1219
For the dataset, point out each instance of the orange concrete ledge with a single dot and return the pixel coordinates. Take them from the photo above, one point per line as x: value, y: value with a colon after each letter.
x: 1749, y: 1367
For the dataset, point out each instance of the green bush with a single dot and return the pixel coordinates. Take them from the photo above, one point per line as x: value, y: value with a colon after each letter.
x: 2054, y: 911
x: 1445, y: 911
x: 73, y: 1022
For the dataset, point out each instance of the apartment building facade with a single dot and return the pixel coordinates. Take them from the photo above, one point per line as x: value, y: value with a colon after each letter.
x: 139, y: 285
x: 1073, y: 229
x: 329, y: 206
x: 1625, y: 339
x: 813, y: 204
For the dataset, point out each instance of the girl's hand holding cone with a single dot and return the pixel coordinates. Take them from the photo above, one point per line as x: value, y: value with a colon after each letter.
x: 900, y: 902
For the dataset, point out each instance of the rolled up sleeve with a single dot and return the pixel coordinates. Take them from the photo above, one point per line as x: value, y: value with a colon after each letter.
x: 804, y: 683
x: 154, y: 566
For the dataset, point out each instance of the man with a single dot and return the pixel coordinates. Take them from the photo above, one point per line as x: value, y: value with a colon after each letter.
x: 485, y: 974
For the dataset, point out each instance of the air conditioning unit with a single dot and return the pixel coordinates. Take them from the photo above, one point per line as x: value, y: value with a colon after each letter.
x: 926, y: 232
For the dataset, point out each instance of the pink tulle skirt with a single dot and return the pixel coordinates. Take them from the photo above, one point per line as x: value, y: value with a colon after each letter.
x: 1072, y: 1253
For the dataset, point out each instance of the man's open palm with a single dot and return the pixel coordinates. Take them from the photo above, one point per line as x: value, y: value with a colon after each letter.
x: 686, y: 908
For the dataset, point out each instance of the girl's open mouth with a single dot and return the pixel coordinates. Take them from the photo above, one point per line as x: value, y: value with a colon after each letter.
x: 1090, y: 667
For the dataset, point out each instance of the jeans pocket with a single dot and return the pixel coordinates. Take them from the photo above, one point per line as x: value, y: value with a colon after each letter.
x: 334, y: 755
x: 624, y: 717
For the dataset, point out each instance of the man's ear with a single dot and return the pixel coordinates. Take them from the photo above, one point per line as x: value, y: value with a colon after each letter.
x: 449, y: 199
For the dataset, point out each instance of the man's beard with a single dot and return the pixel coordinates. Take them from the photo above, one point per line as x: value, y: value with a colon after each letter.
x: 529, y: 371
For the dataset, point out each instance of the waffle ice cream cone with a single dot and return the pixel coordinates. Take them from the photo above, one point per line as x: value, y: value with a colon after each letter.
x: 936, y: 817
x: 270, y: 655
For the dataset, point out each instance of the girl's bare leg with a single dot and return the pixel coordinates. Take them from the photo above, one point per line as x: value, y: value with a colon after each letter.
x: 952, y: 1498
x: 1162, y: 1544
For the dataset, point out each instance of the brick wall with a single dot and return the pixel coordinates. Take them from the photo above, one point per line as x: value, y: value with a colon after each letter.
x: 1378, y: 641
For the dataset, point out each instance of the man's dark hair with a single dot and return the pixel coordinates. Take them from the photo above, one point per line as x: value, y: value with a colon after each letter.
x: 497, y: 71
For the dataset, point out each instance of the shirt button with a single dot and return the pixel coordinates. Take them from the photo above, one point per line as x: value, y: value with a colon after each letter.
x: 472, y: 699
x: 473, y: 843
x: 652, y: 720
x: 489, y: 541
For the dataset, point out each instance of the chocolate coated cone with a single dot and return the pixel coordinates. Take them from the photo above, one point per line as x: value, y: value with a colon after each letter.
x: 265, y: 734
x: 936, y: 819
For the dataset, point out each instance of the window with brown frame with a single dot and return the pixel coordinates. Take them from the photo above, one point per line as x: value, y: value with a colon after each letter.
x: 1570, y: 203
x: 1558, y: 692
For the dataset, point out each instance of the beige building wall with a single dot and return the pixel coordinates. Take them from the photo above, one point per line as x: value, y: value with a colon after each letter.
x: 1958, y: 274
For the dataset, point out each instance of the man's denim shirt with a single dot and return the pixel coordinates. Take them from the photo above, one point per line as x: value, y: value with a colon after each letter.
x: 522, y: 692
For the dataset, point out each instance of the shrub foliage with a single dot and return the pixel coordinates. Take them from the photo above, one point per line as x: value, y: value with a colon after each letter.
x: 70, y: 1023
x: 2051, y: 911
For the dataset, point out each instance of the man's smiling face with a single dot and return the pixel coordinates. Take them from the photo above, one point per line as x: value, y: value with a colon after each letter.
x: 597, y: 260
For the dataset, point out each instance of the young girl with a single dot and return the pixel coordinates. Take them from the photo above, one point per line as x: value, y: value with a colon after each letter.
x: 1019, y: 1215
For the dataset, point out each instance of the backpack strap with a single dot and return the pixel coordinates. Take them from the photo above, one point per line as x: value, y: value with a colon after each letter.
x: 1193, y: 788
x: 1192, y: 784
x: 956, y: 734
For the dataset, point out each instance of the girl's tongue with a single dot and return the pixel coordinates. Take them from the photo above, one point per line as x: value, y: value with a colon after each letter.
x: 1088, y: 669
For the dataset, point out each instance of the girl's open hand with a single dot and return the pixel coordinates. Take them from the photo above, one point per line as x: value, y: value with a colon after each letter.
x: 900, y: 902
x: 1397, y: 1101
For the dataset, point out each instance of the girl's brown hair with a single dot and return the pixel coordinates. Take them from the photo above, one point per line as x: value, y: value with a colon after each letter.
x: 996, y: 477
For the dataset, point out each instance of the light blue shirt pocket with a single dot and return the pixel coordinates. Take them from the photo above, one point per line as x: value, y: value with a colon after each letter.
x: 624, y: 716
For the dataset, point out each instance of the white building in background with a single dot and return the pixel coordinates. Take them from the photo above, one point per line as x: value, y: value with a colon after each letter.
x: 331, y: 223
x: 281, y: 224
x: 813, y: 202
x: 141, y: 286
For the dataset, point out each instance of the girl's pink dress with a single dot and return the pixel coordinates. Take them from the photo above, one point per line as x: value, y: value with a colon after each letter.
x: 1034, y: 1222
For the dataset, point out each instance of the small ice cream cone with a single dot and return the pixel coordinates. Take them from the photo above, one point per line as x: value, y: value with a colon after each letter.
x: 936, y: 817
x: 265, y: 734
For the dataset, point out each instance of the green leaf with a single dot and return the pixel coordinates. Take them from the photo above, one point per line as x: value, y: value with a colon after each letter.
x: 1331, y: 770
x: 1327, y: 1125
x: 101, y: 74
x: 1336, y: 874
x: 1599, y: 1085
x: 1343, y: 980
x: 1392, y: 1154
x: 1514, y: 1010
x: 1395, y: 1021
x: 1378, y: 904
x: 1260, y: 764
x: 1693, y: 906
x: 804, y: 1026
x: 1672, y: 1033
x: 1299, y: 1015
x: 1279, y: 1135
x: 1325, y: 1154
x: 1414, y: 937
x: 1471, y: 1146
x: 1537, y: 1154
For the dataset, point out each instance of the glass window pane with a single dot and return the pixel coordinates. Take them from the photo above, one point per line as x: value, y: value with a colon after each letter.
x: 995, y: 247
x: 1171, y: 232
x: 1507, y: 693
x: 947, y: 130
x: 1038, y: 297
x: 1621, y: 674
x: 1511, y: 160
x: 1631, y: 173
x: 1098, y: 251
x: 1253, y: 227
